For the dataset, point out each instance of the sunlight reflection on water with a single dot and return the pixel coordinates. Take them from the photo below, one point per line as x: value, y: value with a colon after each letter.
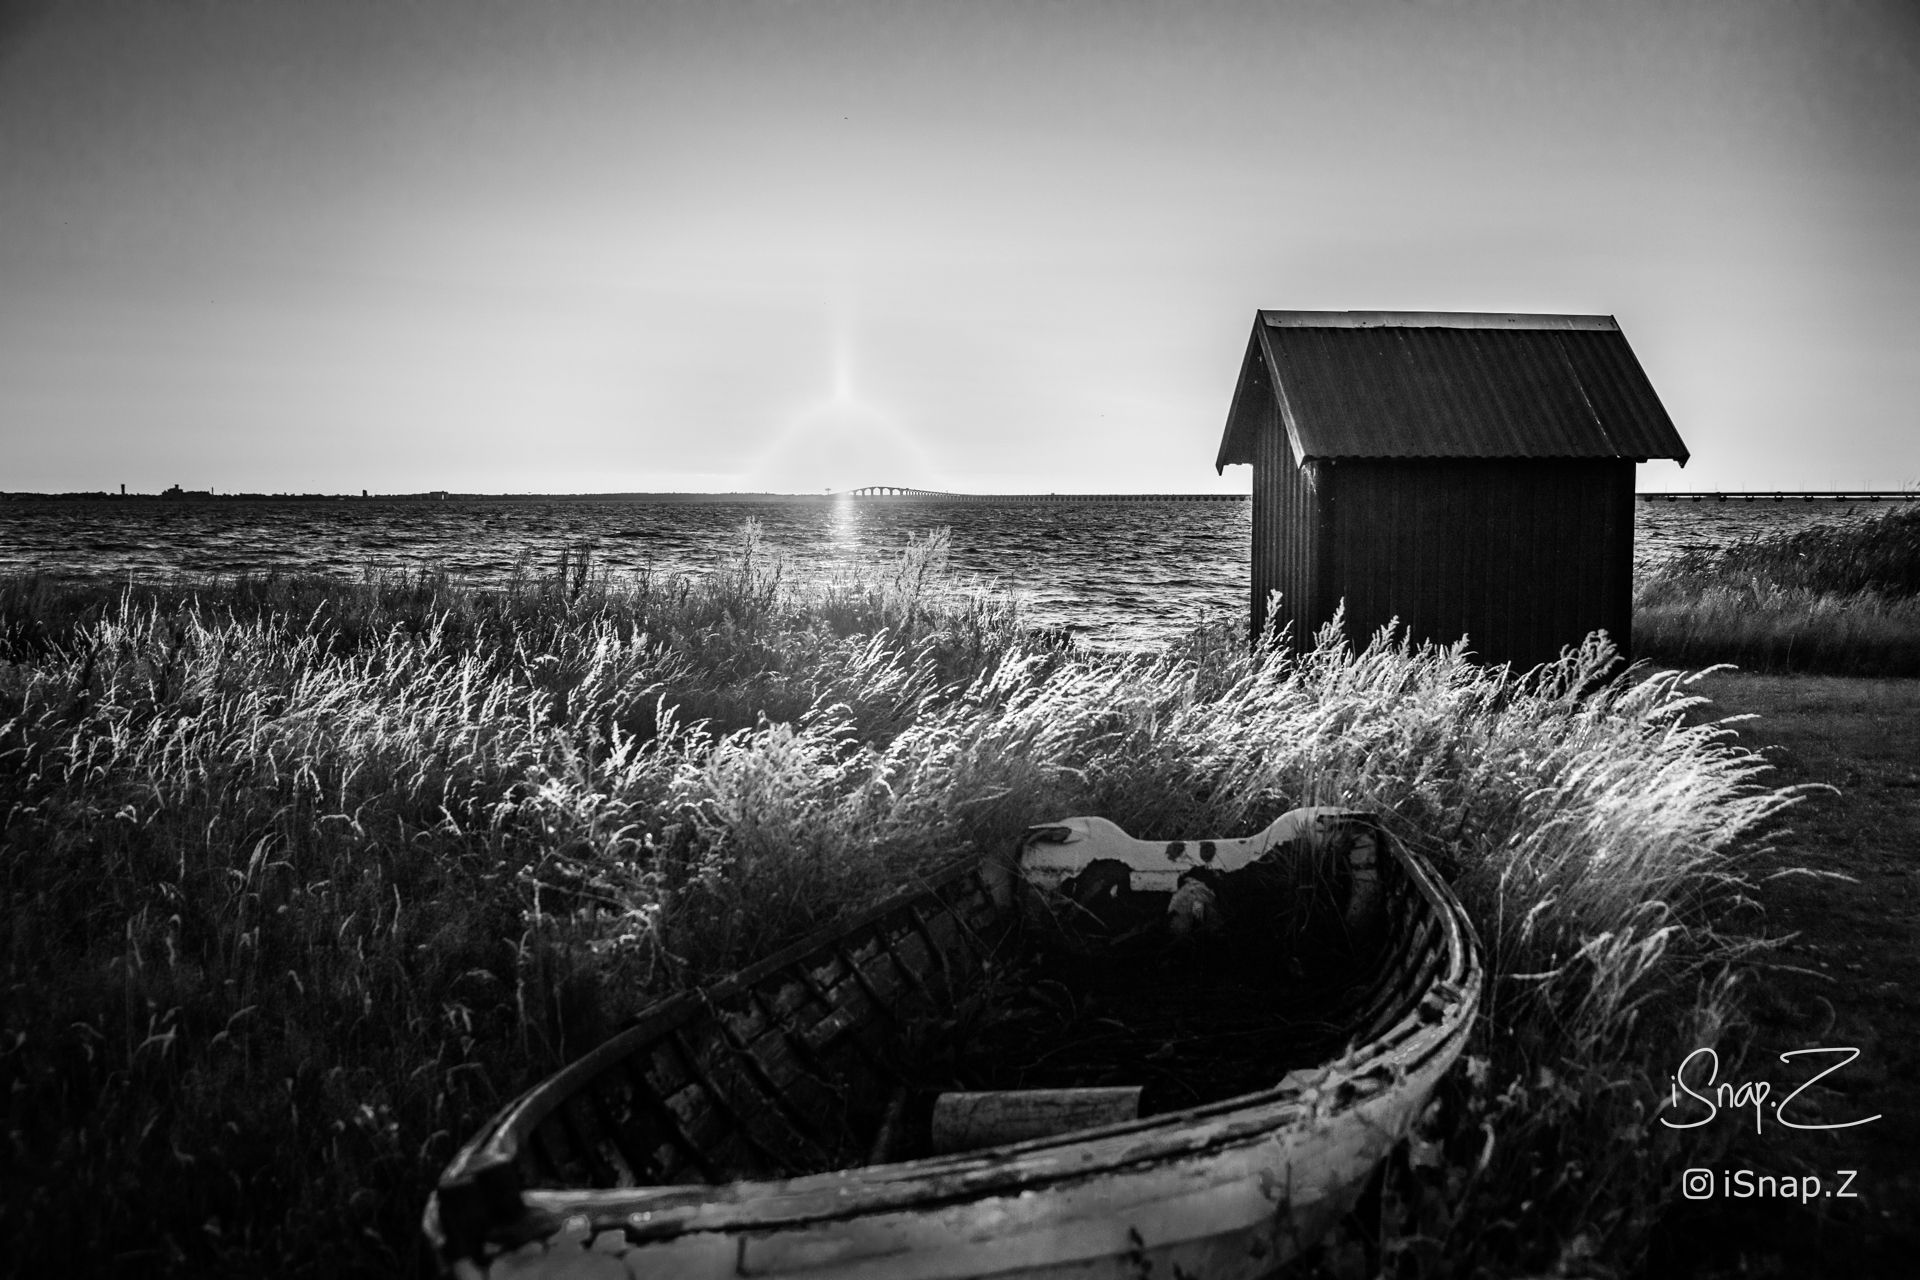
x: 1122, y: 575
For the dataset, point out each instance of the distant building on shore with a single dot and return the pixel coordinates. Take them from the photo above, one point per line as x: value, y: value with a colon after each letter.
x: 1465, y: 473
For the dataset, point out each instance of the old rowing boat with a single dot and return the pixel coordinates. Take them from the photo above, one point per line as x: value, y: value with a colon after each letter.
x: 1268, y: 1014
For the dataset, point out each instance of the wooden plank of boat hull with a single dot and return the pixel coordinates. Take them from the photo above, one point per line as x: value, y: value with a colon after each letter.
x: 984, y: 917
x: 561, y: 1149
x: 675, y: 1152
x: 1114, y: 1152
x: 941, y: 941
x: 673, y: 1118
x: 809, y: 1007
x: 752, y: 1113
x: 820, y: 1087
x: 765, y: 1053
x: 1216, y: 1218
x: 859, y: 1008
x: 1380, y: 1002
x: 841, y: 1026
x: 813, y: 1103
x: 702, y: 1227
x: 515, y: 1137
x: 1420, y: 960
x: 629, y: 1127
x: 854, y: 1225
x: 910, y: 958
x: 978, y: 910
x: 1235, y: 1212
x: 962, y: 881
x: 952, y: 945
x: 803, y: 1025
x: 973, y: 1121
x: 1387, y: 1032
x: 708, y: 1131
x: 791, y: 1006
x: 775, y: 1045
x: 727, y: 1114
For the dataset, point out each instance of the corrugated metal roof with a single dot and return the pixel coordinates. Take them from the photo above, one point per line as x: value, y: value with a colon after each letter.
x: 1432, y: 320
x: 1383, y: 384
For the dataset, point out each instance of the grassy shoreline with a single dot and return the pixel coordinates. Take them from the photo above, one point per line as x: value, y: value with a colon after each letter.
x: 1837, y: 599
x: 307, y: 878
x: 1844, y: 973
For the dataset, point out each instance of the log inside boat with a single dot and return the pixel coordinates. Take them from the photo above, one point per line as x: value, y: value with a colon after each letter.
x: 1275, y: 1011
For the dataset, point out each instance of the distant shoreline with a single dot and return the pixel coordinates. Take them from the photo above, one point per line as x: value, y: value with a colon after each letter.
x: 449, y: 496
x: 1757, y: 495
x: 1781, y: 495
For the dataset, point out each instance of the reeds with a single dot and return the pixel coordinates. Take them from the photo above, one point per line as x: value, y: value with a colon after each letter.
x: 1880, y: 555
x: 1839, y: 599
x: 305, y: 878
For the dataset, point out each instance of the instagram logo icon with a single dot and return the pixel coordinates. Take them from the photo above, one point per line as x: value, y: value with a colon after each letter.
x: 1697, y: 1184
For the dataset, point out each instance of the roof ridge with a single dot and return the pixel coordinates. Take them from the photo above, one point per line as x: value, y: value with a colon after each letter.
x: 1434, y: 320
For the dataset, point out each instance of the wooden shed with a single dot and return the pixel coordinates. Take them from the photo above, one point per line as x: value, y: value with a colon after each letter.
x: 1468, y: 474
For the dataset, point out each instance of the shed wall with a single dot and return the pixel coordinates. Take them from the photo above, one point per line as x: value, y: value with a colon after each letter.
x: 1521, y: 556
x: 1288, y: 553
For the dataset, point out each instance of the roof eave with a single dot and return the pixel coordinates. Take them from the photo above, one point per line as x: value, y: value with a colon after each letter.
x: 1235, y: 441
x: 1681, y: 458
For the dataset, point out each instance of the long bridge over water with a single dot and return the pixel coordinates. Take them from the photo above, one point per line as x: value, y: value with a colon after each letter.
x: 898, y: 493
x: 902, y: 493
x: 1805, y: 495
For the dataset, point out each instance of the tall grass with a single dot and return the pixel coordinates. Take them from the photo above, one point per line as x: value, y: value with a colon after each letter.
x: 1841, y: 599
x: 1881, y: 555
x: 305, y: 879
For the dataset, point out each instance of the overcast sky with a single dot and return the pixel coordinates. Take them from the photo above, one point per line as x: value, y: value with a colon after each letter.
x: 603, y: 246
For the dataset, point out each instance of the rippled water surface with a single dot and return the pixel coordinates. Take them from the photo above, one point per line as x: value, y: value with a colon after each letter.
x: 1123, y: 574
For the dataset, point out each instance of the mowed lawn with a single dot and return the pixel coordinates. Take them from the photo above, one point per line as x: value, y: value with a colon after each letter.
x: 1848, y: 976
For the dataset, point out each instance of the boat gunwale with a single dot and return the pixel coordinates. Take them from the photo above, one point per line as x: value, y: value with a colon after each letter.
x: 1325, y: 1094
x: 1091, y: 1153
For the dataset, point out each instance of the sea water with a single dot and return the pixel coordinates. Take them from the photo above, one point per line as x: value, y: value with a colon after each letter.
x: 1127, y: 574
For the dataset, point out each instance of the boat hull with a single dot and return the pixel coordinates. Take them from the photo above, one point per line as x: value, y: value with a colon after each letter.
x: 1234, y: 1188
x: 1239, y: 1210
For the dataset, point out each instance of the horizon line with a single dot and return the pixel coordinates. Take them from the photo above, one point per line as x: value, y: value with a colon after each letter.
x: 366, y: 495
x: 177, y: 493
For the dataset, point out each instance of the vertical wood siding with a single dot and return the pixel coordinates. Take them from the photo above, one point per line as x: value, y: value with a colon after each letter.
x: 1287, y: 548
x: 1521, y: 556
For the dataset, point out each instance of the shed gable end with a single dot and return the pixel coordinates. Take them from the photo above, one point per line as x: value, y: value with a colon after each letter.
x: 1420, y: 385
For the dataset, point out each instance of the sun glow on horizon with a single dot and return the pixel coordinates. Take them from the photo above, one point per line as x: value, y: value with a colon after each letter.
x: 843, y: 442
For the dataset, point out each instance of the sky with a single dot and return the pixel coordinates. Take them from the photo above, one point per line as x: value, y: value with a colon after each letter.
x: 792, y: 245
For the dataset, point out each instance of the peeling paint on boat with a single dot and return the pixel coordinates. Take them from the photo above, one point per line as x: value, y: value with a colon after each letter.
x: 1233, y: 1188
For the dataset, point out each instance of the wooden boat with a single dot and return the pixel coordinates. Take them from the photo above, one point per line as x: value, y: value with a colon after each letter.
x: 777, y: 1123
